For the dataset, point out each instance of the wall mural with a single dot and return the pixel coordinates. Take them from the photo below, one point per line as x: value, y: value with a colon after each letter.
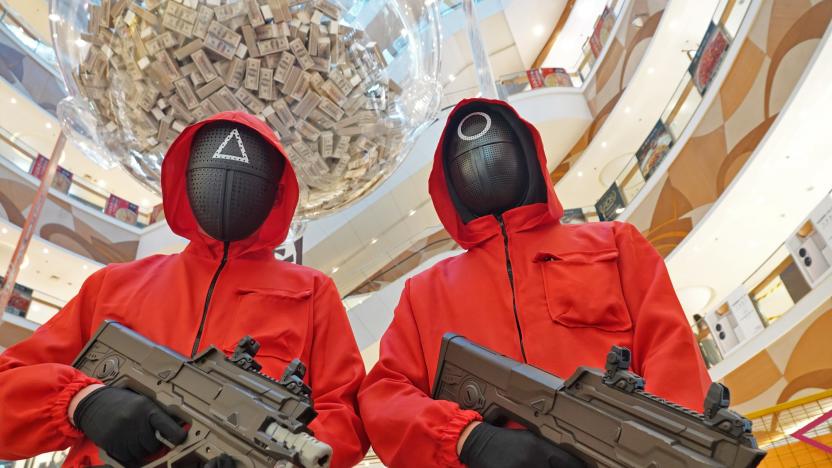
x: 764, y: 74
x: 614, y: 73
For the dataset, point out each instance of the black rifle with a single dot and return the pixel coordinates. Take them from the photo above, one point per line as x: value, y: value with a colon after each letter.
x: 605, y: 418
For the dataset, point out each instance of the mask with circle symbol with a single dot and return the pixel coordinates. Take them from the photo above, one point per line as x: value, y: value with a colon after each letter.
x: 487, y: 163
x: 232, y: 179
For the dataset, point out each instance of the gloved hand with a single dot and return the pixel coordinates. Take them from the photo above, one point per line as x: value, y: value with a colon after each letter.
x: 124, y: 424
x: 222, y: 461
x: 489, y: 446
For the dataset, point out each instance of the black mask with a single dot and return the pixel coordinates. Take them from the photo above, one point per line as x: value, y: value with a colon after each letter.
x: 490, y: 162
x: 233, y: 174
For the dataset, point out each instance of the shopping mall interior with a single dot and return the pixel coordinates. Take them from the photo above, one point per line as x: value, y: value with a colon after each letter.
x: 699, y: 122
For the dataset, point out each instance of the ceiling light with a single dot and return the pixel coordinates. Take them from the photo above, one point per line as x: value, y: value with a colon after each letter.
x: 13, y: 100
x: 102, y: 183
x: 48, y: 125
x: 373, y: 241
x: 650, y: 70
x: 451, y: 77
x: 4, y: 230
x: 603, y: 144
x: 45, y: 250
x: 334, y: 270
x: 580, y: 173
x: 411, y: 212
x: 84, y: 267
x: 54, y: 17
x: 627, y: 110
x: 538, y: 30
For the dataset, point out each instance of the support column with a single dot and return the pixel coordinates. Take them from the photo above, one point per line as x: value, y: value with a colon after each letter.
x: 482, y: 66
x: 29, y: 225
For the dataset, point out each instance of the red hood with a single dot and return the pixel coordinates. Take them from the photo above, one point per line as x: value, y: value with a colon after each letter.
x: 480, y: 229
x: 178, y: 211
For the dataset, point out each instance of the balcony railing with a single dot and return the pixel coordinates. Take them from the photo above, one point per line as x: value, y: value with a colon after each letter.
x: 676, y: 116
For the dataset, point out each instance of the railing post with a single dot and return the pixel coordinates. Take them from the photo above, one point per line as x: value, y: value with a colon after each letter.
x: 29, y: 225
x: 482, y: 66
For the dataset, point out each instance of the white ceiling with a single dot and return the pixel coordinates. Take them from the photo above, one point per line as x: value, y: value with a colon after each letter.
x: 567, y: 50
x: 531, y: 23
x: 786, y: 178
x: 35, y: 14
x: 656, y: 77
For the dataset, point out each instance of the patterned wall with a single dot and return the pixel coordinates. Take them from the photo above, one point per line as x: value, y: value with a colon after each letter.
x: 614, y: 73
x: 64, y: 224
x: 798, y: 364
x: 766, y: 70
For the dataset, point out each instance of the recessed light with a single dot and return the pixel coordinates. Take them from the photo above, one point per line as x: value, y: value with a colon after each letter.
x: 451, y: 77
x: 334, y: 270
x: 4, y: 231
x: 538, y: 30
x: 650, y: 70
x: 627, y: 110
x: 603, y: 144
x: 45, y: 250
x: 13, y: 100
x: 373, y: 241
x: 84, y: 267
x: 411, y: 212
x: 48, y: 125
x: 54, y: 17
x: 580, y: 173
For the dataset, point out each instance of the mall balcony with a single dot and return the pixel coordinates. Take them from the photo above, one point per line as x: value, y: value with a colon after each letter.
x: 702, y: 123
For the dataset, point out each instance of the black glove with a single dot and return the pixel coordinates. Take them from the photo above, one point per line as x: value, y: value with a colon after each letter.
x: 124, y: 424
x: 222, y: 461
x: 488, y: 446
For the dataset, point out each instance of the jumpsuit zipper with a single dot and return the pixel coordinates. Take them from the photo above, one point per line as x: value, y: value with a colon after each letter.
x: 208, y: 298
x: 511, y: 283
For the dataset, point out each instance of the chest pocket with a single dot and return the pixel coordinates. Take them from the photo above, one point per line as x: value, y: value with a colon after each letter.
x: 583, y: 290
x: 279, y: 320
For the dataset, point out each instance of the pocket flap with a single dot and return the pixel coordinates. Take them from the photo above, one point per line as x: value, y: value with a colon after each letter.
x: 577, y: 257
x: 277, y: 293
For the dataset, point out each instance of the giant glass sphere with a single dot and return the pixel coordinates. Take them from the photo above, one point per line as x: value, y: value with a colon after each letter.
x: 346, y: 85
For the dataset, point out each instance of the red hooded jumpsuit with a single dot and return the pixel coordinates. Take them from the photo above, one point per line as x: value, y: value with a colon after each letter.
x: 293, y: 311
x: 578, y: 289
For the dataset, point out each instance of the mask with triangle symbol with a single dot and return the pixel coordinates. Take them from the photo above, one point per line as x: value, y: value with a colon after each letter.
x: 232, y: 179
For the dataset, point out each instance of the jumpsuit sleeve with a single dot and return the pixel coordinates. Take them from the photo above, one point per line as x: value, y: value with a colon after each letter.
x: 406, y: 426
x: 335, y: 373
x: 665, y: 352
x: 37, y: 383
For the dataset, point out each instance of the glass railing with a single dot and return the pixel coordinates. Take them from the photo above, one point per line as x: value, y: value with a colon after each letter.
x: 774, y: 288
x: 676, y: 116
x: 39, y: 49
x: 569, y: 76
x: 14, y: 149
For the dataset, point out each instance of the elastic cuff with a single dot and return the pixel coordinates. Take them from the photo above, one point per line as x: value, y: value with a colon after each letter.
x: 59, y: 422
x: 449, y: 436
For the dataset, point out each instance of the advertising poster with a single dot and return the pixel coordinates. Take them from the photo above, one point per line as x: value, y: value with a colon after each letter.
x: 809, y: 245
x: 122, y: 209
x: 651, y: 153
x: 573, y: 216
x: 548, y: 78
x: 706, y: 62
x: 158, y: 214
x: 20, y: 300
x: 62, y: 180
x: 745, y: 314
x: 611, y: 204
x: 601, y: 31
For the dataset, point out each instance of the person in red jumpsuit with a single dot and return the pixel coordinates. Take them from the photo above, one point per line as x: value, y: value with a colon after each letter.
x: 551, y: 295
x: 228, y: 187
